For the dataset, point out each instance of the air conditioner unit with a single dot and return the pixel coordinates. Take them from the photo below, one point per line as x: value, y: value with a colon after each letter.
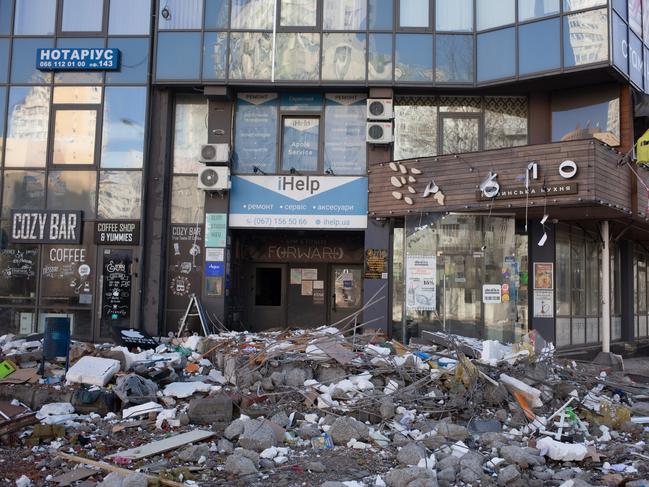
x: 215, y: 154
x: 379, y: 132
x: 214, y: 178
x: 380, y: 109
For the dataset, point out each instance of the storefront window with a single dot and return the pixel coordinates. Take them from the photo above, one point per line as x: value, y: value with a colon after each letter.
x: 496, y: 54
x: 216, y: 14
x: 539, y: 46
x: 252, y: 14
x: 454, y: 58
x: 82, y: 16
x: 23, y: 66
x: 640, y: 262
x: 187, y: 201
x: 298, y: 13
x: 585, y: 38
x: 345, y: 14
x: 345, y: 119
x: 505, y: 122
x: 460, y: 134
x: 18, y: 268
x: 123, y: 127
x: 494, y: 13
x: 120, y: 195
x: 134, y: 60
x: 23, y: 190
x: 415, y: 127
x: 250, y: 55
x: 190, y: 132
x: 379, y: 64
x: 454, y: 15
x: 180, y: 14
x: 529, y: 9
x: 129, y: 18
x: 413, y: 13
x: 27, y: 126
x: 72, y: 190
x: 297, y: 56
x: 414, y: 57
x: 300, y: 143
x: 185, y: 49
x: 343, y: 57
x: 214, y: 52
x: 380, y: 14
x: 256, y: 133
x: 580, y: 115
x: 35, y: 17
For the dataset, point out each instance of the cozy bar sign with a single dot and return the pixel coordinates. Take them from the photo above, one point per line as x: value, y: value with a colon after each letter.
x: 77, y: 59
x: 35, y: 226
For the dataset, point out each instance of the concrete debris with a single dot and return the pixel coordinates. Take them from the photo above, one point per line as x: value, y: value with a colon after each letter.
x: 323, y: 407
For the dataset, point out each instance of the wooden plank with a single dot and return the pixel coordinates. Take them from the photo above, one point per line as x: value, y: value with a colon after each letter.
x: 74, y: 475
x: 162, y: 446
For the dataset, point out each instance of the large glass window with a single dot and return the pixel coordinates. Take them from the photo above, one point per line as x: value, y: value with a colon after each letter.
x: 255, y: 132
x: 252, y: 14
x: 6, y: 16
x: 187, y: 200
x: 120, y: 195
x: 345, y: 14
x: 134, y: 60
x: 413, y: 13
x: 216, y: 14
x: 505, y: 122
x: 190, y: 132
x: 577, y: 114
x: 85, y: 77
x: 27, y: 126
x: 539, y: 46
x: 454, y: 15
x: 4, y: 60
x: 529, y: 9
x: 343, y: 57
x: 180, y: 14
x: 585, y: 38
x: 18, y: 268
x: 297, y: 56
x: 493, y: 13
x: 569, y: 5
x: 23, y: 190
x: 380, y: 14
x: 74, y: 136
x: 415, y: 127
x: 72, y: 190
x: 185, y: 49
x: 215, y: 46
x: 460, y: 134
x: 250, y: 55
x: 123, y: 127
x: 496, y: 54
x: 300, y: 143
x: 35, y: 17
x: 82, y: 16
x: 298, y: 13
x: 129, y: 18
x: 379, y: 63
x: 454, y: 58
x: 414, y: 60
x: 345, y: 119
x: 23, y: 61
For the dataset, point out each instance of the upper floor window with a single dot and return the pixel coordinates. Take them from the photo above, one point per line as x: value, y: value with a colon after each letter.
x: 529, y: 9
x: 82, y: 16
x: 129, y: 18
x: 345, y: 14
x: 454, y: 15
x: 180, y: 14
x: 298, y: 13
x: 414, y: 13
x: 35, y: 17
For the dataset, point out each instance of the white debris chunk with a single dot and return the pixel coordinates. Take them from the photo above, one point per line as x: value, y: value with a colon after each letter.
x: 559, y: 451
x: 93, y: 370
x: 141, y: 410
x: 185, y: 389
x: 23, y: 481
x: 532, y: 394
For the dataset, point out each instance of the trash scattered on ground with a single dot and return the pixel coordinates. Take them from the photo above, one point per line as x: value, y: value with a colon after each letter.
x: 329, y: 406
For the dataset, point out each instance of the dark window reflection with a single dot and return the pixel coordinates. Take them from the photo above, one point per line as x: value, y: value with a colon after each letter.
x: 23, y: 61
x: 380, y: 14
x: 214, y: 50
x: 454, y: 58
x: 184, y: 49
x: 379, y: 64
x: 539, y: 46
x: 216, y: 14
x: 414, y: 60
x: 23, y: 190
x: 5, y: 17
x: 134, y: 61
x: 4, y: 60
x: 72, y: 190
x: 496, y: 57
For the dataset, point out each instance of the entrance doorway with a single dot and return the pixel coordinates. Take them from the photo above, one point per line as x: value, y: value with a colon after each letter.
x: 115, y: 290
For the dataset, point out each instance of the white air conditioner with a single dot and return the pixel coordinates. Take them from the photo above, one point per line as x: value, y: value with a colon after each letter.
x: 379, y: 132
x: 215, y: 154
x: 214, y: 178
x: 380, y: 109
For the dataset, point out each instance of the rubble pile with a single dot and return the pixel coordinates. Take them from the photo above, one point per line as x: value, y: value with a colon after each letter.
x: 324, y: 407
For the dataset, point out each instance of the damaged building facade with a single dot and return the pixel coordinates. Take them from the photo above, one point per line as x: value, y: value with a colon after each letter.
x: 448, y: 164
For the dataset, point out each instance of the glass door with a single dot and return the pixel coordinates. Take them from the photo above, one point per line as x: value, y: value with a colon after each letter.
x: 116, y: 290
x: 346, y: 284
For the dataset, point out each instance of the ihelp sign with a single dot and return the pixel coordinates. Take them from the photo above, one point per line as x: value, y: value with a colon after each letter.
x: 77, y: 59
x: 289, y: 201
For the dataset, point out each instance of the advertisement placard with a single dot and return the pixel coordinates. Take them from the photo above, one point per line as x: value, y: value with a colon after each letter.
x: 421, y: 290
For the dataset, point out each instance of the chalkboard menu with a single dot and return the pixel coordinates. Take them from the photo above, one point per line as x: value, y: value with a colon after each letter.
x: 185, y: 268
x: 18, y: 271
x: 116, y: 292
x: 376, y: 264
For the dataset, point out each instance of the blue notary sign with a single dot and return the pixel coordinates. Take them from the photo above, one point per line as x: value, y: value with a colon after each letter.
x: 77, y: 59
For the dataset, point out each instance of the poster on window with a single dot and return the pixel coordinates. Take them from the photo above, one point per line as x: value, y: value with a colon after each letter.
x: 346, y: 118
x: 543, y: 275
x: 300, y: 143
x: 421, y: 291
x: 185, y: 267
x: 543, y: 303
x: 255, y: 134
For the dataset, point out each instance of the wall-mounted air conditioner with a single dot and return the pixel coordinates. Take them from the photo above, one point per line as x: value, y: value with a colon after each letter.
x: 379, y: 132
x: 215, y: 154
x: 380, y: 109
x: 214, y: 178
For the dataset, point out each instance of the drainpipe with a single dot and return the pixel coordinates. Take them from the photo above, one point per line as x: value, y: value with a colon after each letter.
x: 606, y: 290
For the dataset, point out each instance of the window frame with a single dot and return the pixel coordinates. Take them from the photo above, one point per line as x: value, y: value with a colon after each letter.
x: 55, y: 108
x: 82, y: 33
x: 396, y: 19
x: 441, y: 116
x: 303, y: 114
x: 299, y: 28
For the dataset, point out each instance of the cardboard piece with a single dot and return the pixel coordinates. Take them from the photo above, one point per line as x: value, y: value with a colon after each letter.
x: 21, y: 376
x: 337, y: 352
x: 74, y: 475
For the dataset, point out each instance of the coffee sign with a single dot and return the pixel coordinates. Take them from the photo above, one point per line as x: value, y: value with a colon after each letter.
x: 117, y: 233
x: 45, y: 226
